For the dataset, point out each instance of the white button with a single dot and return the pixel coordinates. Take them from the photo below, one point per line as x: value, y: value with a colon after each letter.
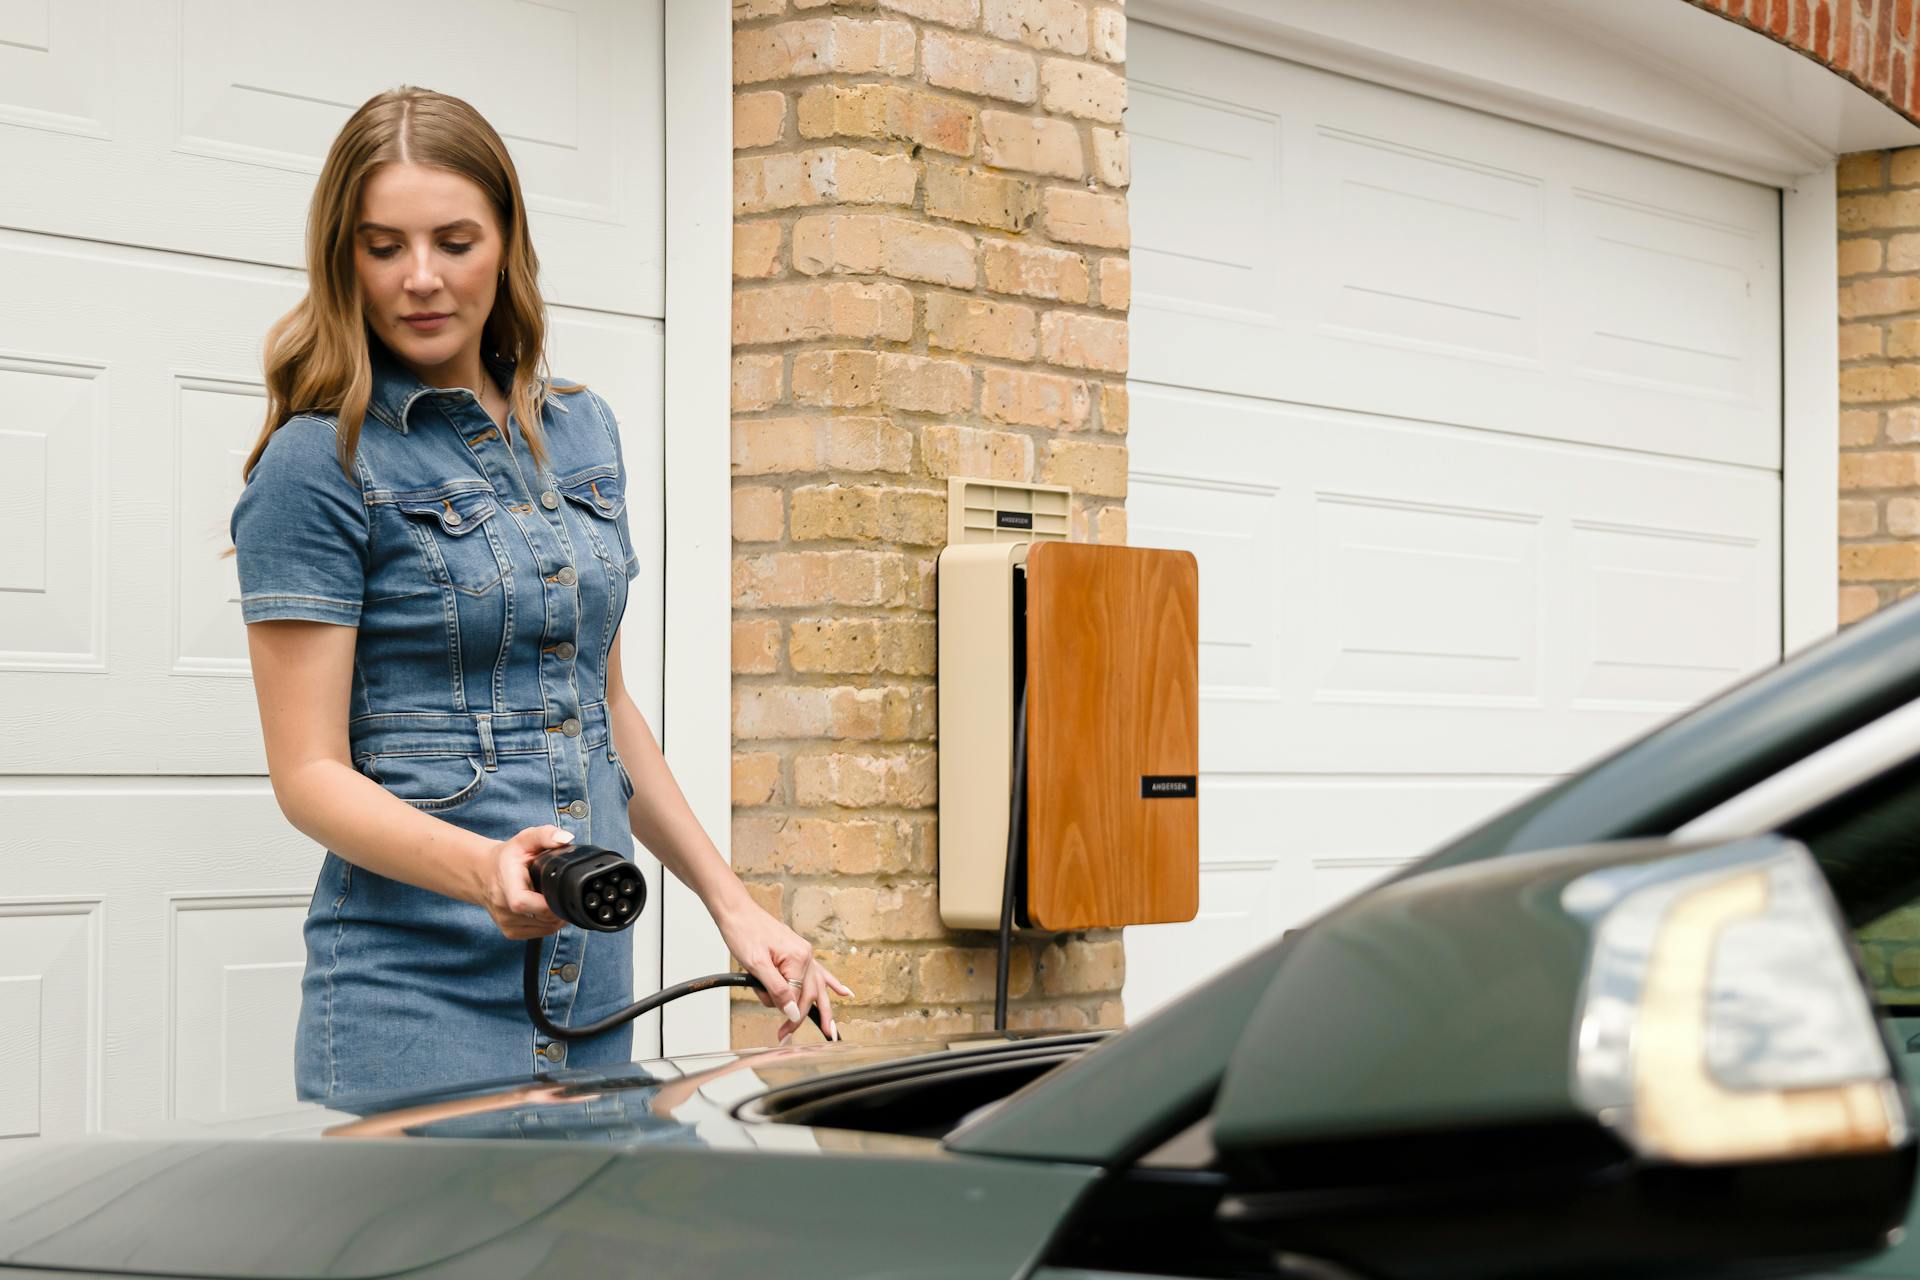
x: 567, y: 577
x: 571, y: 728
x: 550, y: 500
x: 453, y: 517
x: 564, y: 651
x: 577, y: 809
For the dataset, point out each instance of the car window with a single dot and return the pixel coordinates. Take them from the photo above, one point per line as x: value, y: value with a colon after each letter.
x: 1868, y: 844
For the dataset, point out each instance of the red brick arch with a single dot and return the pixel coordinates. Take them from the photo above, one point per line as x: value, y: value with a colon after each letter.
x: 1870, y: 42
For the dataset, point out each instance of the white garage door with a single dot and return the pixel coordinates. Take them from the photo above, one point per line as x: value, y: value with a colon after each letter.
x: 150, y: 893
x: 1475, y: 430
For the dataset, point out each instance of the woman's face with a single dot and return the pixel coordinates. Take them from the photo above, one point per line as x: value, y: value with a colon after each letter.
x: 427, y: 249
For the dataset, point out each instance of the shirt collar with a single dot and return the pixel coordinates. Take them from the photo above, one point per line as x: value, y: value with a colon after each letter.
x: 396, y: 388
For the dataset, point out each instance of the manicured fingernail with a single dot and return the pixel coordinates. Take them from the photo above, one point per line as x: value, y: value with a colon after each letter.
x: 833, y: 1031
x: 565, y: 837
x: 792, y: 1011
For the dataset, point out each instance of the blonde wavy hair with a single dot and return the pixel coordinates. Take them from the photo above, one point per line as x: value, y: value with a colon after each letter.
x: 316, y: 357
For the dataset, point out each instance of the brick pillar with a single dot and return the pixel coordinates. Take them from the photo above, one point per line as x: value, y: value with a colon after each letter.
x: 931, y: 279
x: 1879, y: 221
x: 1880, y: 445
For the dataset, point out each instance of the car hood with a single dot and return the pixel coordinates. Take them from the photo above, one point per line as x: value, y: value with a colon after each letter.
x: 641, y: 1167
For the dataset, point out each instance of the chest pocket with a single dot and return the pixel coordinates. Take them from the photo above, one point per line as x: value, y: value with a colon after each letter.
x: 597, y: 491
x: 449, y: 526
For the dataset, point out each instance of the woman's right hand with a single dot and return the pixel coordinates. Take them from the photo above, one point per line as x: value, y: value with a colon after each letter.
x: 507, y: 890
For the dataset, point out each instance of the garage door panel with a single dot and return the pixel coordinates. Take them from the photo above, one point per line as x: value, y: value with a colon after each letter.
x: 1456, y: 623
x: 226, y: 166
x: 1304, y: 236
x: 1662, y: 613
x: 1449, y: 242
x: 52, y: 75
x: 233, y: 984
x: 1211, y: 255
x: 50, y: 1008
x: 52, y: 536
x: 1407, y: 597
x: 1702, y: 339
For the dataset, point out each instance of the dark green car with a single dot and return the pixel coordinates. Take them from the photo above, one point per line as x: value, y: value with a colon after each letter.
x: 1618, y: 1030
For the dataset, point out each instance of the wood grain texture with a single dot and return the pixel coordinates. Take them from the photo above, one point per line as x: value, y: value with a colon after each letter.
x: 1113, y: 694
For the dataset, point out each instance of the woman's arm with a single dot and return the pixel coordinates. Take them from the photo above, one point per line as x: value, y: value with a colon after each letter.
x: 303, y: 676
x: 663, y: 821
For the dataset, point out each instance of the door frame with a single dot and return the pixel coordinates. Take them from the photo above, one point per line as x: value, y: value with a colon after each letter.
x: 697, y: 612
x: 1809, y: 410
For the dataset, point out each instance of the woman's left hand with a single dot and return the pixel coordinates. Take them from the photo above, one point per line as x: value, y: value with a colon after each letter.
x: 784, y: 963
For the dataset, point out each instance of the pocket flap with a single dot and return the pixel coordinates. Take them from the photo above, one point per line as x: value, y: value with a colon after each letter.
x: 459, y: 512
x: 597, y: 490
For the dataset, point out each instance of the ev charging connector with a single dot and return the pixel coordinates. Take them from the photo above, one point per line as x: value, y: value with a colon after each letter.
x: 592, y: 887
x: 598, y: 889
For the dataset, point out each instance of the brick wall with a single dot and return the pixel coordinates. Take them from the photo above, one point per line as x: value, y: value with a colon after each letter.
x: 931, y: 279
x: 1870, y: 42
x: 1880, y: 443
x: 1879, y: 220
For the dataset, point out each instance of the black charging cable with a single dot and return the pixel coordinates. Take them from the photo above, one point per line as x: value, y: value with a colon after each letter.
x: 597, y: 889
x: 1016, y: 859
x: 666, y: 995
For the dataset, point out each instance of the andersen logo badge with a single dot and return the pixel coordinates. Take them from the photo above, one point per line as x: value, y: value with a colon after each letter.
x: 1013, y: 519
x: 1168, y: 786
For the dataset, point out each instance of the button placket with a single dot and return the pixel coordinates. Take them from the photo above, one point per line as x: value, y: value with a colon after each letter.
x: 558, y: 691
x: 555, y: 998
x: 553, y: 551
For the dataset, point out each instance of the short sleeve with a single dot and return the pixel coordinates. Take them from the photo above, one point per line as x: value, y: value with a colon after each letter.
x: 605, y: 413
x: 300, y: 531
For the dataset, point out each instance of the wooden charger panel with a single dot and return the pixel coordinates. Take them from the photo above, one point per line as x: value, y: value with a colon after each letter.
x: 1113, y: 736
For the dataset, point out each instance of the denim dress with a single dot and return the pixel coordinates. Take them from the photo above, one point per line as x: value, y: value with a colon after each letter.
x: 486, y: 590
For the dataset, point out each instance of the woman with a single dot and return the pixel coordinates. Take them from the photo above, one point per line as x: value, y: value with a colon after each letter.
x: 434, y: 557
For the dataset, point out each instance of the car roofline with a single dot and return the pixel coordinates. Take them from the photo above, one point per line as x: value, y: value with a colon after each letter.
x: 1829, y: 773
